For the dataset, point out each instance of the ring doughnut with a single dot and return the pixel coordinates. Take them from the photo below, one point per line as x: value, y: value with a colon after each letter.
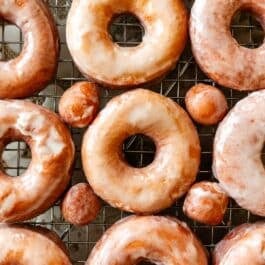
x: 175, y: 165
x: 160, y: 240
x: 37, y: 63
x: 206, y: 203
x: 22, y: 245
x: 52, y: 150
x: 98, y: 57
x: 218, y: 53
x: 237, y: 153
x: 244, y: 245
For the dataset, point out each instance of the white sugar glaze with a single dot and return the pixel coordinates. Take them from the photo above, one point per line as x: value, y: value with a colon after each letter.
x: 160, y: 240
x: 25, y: 246
x: 97, y: 56
x: 244, y: 245
x: 237, y: 153
x: 218, y: 53
x: 36, y: 65
x: 52, y: 156
x: 174, y: 168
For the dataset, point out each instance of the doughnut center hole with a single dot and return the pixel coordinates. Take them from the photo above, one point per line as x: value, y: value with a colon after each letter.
x: 139, y: 150
x: 126, y: 30
x: 16, y: 157
x: 11, y: 41
x: 145, y: 262
x: 263, y: 155
x: 246, y: 29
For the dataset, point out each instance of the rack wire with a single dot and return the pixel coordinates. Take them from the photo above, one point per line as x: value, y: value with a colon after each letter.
x: 126, y: 31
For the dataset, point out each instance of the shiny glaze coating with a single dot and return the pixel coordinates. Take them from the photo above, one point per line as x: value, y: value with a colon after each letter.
x: 237, y: 160
x: 160, y: 240
x: 206, y: 203
x: 79, y: 104
x: 244, y: 245
x: 80, y: 205
x: 169, y: 176
x: 36, y: 65
x: 52, y: 151
x: 98, y: 57
x: 25, y: 245
x: 218, y: 53
x: 206, y: 104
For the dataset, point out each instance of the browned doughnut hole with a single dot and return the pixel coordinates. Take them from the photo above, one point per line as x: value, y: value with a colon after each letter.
x: 80, y: 205
x: 79, y: 104
x: 206, y: 104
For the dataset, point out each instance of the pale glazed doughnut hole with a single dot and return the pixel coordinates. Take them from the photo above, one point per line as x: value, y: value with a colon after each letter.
x: 206, y: 104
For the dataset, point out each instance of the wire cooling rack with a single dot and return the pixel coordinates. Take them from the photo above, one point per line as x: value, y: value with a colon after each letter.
x: 126, y: 31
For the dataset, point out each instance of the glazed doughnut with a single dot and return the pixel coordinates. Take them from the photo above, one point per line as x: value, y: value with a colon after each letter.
x: 160, y: 240
x: 206, y: 203
x: 237, y: 153
x: 80, y: 205
x: 169, y: 176
x: 98, y: 57
x: 36, y: 65
x: 22, y: 245
x: 218, y: 53
x: 79, y: 104
x: 244, y: 245
x: 48, y: 174
x: 206, y: 104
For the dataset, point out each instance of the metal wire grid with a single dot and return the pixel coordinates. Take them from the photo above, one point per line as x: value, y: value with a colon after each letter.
x: 127, y: 32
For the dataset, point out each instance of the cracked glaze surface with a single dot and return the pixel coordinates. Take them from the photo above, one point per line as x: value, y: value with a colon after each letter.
x: 96, y: 55
x: 168, y: 177
x: 36, y: 65
x: 52, y: 151
x: 237, y: 153
x: 218, y: 53
x: 161, y: 240
x: 244, y: 245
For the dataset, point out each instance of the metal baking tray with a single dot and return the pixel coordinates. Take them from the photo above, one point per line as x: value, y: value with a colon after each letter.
x: 127, y: 32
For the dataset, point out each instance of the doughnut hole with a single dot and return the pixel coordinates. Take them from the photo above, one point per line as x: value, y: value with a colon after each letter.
x: 11, y: 40
x: 139, y: 150
x: 247, y: 30
x: 16, y: 157
x: 126, y: 30
x: 206, y: 104
x: 80, y: 205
